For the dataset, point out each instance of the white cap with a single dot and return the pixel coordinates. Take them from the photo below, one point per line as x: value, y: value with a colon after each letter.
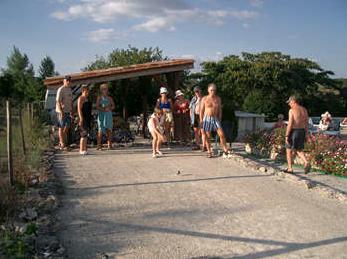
x: 163, y: 90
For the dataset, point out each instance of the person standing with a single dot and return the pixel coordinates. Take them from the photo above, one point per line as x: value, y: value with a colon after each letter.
x: 156, y: 131
x: 296, y: 133
x: 194, y: 107
x: 165, y: 104
x: 64, y: 109
x: 181, y: 118
x: 210, y: 119
x: 84, y: 108
x: 105, y: 105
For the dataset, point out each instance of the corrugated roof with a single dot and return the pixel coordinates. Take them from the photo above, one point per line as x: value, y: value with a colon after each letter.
x: 116, y: 73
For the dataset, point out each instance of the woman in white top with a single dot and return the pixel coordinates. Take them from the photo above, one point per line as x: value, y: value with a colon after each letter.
x: 156, y: 131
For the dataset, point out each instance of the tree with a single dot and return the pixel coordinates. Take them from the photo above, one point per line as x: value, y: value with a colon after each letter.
x: 262, y: 82
x: 47, y: 68
x: 129, y: 94
x: 25, y: 85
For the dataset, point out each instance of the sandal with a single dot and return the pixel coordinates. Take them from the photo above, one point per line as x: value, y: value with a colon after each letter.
x: 307, y: 169
x: 209, y: 155
x: 288, y: 171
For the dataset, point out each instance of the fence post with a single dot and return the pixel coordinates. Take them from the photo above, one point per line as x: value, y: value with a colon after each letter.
x: 21, y: 129
x: 9, y: 142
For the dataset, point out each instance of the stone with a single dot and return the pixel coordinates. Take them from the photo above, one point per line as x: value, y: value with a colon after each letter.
x: 263, y: 169
x: 29, y: 214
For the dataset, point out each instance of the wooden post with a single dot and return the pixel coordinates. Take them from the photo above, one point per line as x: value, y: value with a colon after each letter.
x: 9, y: 142
x: 21, y: 129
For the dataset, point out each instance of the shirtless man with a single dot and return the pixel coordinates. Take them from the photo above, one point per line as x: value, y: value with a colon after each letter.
x: 296, y: 133
x: 210, y: 118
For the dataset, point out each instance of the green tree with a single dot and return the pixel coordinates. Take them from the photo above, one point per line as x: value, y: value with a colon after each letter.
x: 262, y: 82
x: 25, y: 85
x: 47, y: 68
x: 129, y: 93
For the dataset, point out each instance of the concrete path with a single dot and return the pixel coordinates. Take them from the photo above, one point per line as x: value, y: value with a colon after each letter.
x: 128, y: 205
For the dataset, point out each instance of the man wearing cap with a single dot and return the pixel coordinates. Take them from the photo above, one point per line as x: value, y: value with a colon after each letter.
x: 194, y: 107
x: 210, y: 119
x: 64, y: 109
x: 296, y: 133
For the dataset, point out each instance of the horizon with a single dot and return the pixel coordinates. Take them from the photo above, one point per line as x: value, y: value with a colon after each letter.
x: 311, y: 30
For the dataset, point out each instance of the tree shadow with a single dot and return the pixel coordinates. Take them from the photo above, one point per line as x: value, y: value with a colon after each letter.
x: 285, y: 247
x: 168, y: 182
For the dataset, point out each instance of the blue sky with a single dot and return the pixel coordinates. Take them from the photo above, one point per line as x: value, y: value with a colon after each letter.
x: 73, y: 32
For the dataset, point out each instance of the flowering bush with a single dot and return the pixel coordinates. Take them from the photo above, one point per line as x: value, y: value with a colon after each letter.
x: 259, y: 140
x: 327, y: 153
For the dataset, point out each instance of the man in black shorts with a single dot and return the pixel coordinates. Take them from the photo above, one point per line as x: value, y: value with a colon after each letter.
x: 296, y: 133
x: 194, y: 107
x: 84, y: 108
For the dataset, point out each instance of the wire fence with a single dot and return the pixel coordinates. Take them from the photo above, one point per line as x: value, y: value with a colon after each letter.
x: 21, y: 125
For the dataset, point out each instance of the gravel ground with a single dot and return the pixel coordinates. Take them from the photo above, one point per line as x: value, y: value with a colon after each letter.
x: 126, y: 204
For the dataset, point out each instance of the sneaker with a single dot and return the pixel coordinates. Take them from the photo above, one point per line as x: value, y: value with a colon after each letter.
x: 225, y: 155
x: 83, y: 153
x: 159, y: 153
x: 154, y: 156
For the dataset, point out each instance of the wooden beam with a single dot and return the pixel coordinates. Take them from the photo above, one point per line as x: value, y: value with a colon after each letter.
x: 94, y: 79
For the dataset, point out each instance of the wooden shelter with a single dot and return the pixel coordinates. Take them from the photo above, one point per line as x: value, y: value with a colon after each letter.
x: 172, y: 69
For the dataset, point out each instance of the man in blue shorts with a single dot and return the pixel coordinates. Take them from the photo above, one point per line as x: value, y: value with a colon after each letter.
x: 64, y: 109
x: 210, y: 119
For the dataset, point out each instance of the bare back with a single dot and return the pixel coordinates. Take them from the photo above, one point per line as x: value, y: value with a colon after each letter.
x: 298, y: 117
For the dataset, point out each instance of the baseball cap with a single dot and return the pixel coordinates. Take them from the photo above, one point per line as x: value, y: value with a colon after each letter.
x: 68, y: 78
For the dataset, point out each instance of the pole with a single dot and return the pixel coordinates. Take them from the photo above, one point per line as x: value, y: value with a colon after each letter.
x: 9, y: 143
x: 21, y: 129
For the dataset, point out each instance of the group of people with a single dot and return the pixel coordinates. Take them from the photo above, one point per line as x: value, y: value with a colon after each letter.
x: 170, y: 119
x: 203, y: 113
x: 64, y: 109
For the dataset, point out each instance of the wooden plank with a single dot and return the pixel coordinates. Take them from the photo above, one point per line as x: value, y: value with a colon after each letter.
x: 9, y: 143
x: 112, y: 74
x: 22, y: 130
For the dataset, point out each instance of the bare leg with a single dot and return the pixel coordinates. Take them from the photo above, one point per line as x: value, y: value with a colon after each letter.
x: 197, y: 136
x: 61, y: 137
x: 222, y: 139
x: 158, y: 144
x: 84, y: 144
x: 109, y: 140
x: 81, y: 144
x: 203, y: 138
x: 154, y: 143
x: 289, y: 159
x: 302, y: 155
x: 99, y: 138
x: 207, y: 141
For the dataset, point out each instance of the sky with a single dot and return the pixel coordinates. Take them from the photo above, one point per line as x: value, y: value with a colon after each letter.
x: 73, y: 32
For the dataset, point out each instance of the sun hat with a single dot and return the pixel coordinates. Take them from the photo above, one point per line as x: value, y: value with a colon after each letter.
x: 178, y: 93
x: 163, y: 90
x: 326, y: 115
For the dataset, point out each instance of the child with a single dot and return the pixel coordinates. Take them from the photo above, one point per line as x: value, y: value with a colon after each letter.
x: 84, y: 108
x: 156, y: 132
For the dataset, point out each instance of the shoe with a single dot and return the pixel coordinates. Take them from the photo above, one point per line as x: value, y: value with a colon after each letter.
x: 225, y: 155
x: 307, y: 169
x: 159, y: 153
x: 154, y: 156
x: 83, y: 153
